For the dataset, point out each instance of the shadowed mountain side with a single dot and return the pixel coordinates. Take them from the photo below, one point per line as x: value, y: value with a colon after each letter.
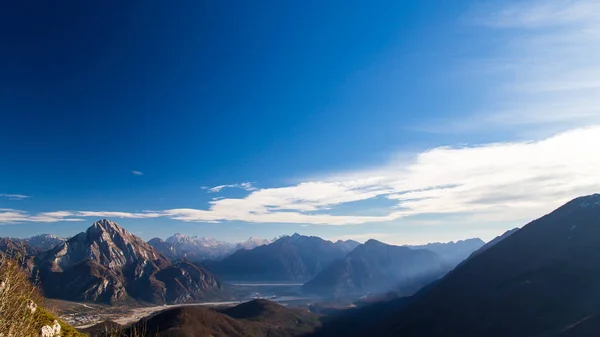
x: 290, y: 258
x: 453, y: 252
x: 493, y: 242
x: 256, y: 318
x: 375, y: 267
x: 102, y: 329
x: 538, y: 281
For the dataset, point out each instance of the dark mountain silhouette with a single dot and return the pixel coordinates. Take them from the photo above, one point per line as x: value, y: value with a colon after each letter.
x: 103, y: 329
x: 494, y: 242
x: 453, y: 252
x: 290, y: 258
x: 256, y: 318
x: 375, y: 267
x: 109, y: 264
x: 255, y: 309
x: 542, y: 280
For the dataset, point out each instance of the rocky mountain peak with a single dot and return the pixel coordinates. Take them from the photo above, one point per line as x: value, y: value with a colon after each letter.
x: 108, y: 263
x: 107, y: 226
x: 178, y: 237
x: 107, y: 243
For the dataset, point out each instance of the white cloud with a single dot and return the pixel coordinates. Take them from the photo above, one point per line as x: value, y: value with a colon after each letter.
x: 124, y: 215
x: 512, y: 182
x: 17, y: 216
x: 489, y: 183
x: 244, y: 186
x: 14, y: 196
x: 137, y: 173
x: 502, y: 182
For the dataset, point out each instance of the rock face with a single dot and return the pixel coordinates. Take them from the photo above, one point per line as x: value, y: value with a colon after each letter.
x: 376, y: 267
x: 290, y: 258
x: 542, y: 280
x: 16, y: 247
x: 109, y: 264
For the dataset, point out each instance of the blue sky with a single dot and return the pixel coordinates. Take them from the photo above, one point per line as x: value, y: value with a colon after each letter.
x: 403, y: 121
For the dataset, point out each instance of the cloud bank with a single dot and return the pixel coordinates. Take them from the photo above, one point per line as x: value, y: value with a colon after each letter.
x: 512, y: 182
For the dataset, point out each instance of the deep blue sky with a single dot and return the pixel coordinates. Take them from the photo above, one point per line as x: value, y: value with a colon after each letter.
x: 205, y: 93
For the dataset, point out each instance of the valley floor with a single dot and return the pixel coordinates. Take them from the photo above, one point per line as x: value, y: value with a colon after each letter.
x: 83, y: 315
x: 134, y: 314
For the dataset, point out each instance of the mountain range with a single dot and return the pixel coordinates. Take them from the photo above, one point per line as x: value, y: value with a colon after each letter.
x: 109, y: 264
x: 196, y: 248
x: 541, y: 280
x: 375, y: 267
x: 290, y: 258
x: 453, y: 252
x: 44, y: 242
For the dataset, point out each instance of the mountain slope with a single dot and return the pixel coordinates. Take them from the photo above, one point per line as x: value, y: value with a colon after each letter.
x: 538, y: 281
x: 16, y: 247
x: 493, y: 242
x: 290, y: 258
x: 108, y: 264
x: 257, y: 318
x: 375, y: 267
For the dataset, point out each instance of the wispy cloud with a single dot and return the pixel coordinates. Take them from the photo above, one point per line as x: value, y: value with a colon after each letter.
x: 248, y: 186
x: 509, y: 182
x: 543, y: 73
x: 14, y: 196
x: 17, y: 216
x: 124, y: 215
x: 137, y: 173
